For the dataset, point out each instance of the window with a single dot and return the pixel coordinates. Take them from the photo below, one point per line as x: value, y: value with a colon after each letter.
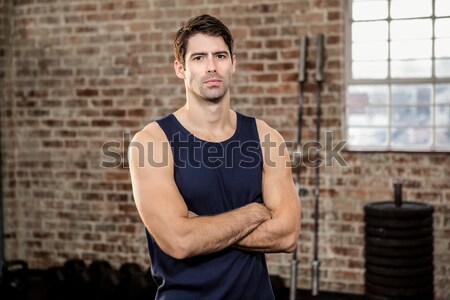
x: 398, y: 75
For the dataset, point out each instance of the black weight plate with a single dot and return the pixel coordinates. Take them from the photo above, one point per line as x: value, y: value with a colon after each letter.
x: 408, y: 210
x: 398, y: 292
x: 398, y: 233
x: 399, y: 282
x: 399, y: 252
x: 398, y: 224
x: 397, y: 243
x: 371, y: 296
x: 399, y: 272
x: 400, y: 262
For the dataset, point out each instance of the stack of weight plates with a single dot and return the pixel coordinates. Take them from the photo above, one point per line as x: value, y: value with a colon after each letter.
x: 399, y: 251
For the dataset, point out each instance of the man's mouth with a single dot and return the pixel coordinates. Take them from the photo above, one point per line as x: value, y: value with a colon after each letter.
x: 213, y: 82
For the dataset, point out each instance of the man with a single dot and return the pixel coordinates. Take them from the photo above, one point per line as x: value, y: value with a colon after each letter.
x: 212, y: 186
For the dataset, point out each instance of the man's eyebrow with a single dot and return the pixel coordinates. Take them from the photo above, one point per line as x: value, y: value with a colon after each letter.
x: 220, y: 52
x: 205, y: 53
x: 197, y: 53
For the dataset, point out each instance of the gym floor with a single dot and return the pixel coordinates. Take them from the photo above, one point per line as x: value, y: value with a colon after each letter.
x: 306, y: 295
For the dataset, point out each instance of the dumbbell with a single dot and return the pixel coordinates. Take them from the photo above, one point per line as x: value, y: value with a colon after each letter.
x: 76, y: 278
x: 15, y: 279
x: 55, y: 281
x: 22, y: 283
x: 105, y: 281
x: 135, y: 283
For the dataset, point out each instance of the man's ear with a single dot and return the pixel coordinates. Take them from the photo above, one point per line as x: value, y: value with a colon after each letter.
x: 234, y: 63
x: 179, y: 69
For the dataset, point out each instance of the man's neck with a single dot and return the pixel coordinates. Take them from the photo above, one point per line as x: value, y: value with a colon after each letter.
x: 209, y: 118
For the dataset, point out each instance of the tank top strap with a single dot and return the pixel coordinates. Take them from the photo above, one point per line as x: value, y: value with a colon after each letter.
x: 248, y: 130
x: 175, y: 136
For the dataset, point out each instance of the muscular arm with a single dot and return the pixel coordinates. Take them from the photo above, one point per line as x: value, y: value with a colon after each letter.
x: 164, y: 212
x: 280, y: 233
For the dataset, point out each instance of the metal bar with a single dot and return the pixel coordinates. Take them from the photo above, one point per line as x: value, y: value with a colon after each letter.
x: 319, y: 78
x: 298, y: 157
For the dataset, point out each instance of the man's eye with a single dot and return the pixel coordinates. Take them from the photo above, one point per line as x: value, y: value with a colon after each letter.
x: 198, y: 57
x: 221, y: 56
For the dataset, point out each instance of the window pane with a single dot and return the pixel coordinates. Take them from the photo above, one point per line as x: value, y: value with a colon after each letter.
x: 370, y: 51
x: 415, y: 137
x: 370, y: 69
x: 442, y: 93
x: 406, y: 41
x: 443, y: 137
x: 359, y: 96
x: 411, y: 68
x: 368, y: 116
x: 441, y: 27
x: 370, y: 10
x: 443, y: 115
x: 411, y: 29
x: 411, y: 49
x: 442, y: 67
x: 370, y: 31
x: 361, y: 136
x: 442, y: 48
x: 410, y: 8
x: 408, y: 94
x: 442, y: 8
x: 411, y: 115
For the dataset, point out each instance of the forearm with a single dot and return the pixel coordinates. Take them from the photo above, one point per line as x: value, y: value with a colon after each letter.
x: 208, y: 234
x: 273, y: 235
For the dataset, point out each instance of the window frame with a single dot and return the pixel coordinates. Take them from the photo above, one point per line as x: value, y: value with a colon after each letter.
x: 389, y: 82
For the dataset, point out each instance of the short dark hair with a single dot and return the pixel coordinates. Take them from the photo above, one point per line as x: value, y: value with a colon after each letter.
x: 205, y: 24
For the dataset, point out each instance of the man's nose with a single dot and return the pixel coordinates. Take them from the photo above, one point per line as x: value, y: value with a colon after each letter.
x: 211, y: 67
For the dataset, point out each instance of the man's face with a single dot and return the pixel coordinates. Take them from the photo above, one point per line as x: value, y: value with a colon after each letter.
x: 208, y: 67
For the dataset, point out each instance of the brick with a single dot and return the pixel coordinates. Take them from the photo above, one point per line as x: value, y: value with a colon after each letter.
x: 334, y: 15
x: 280, y: 66
x: 106, y: 248
x: 263, y: 8
x: 52, y: 144
x: 114, y: 113
x: 263, y: 31
x: 281, y: 43
x: 272, y: 55
x: 117, y: 197
x: 87, y: 50
x: 74, y: 19
x: 137, y: 113
x: 76, y: 103
x: 251, y: 67
x: 87, y: 93
x: 98, y: 17
x: 136, y: 27
x: 101, y: 123
x: 85, y: 7
x: 125, y: 16
x: 265, y: 78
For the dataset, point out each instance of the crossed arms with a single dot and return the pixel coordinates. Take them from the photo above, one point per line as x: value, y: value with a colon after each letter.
x: 270, y: 227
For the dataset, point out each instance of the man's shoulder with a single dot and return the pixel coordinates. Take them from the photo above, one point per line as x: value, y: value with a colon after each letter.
x: 265, y: 131
x: 152, y: 132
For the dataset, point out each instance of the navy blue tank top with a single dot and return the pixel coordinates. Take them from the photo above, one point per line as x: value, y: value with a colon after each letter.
x: 214, y: 178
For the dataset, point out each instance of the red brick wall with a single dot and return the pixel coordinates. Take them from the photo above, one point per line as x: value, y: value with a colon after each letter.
x: 88, y: 72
